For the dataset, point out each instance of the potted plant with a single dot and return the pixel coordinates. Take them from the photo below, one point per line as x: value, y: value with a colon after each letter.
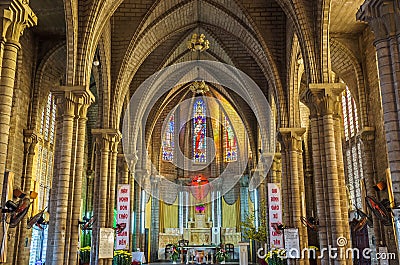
x: 122, y: 257
x: 221, y: 255
x: 275, y: 257
x: 260, y: 235
x: 84, y: 255
x: 174, y: 253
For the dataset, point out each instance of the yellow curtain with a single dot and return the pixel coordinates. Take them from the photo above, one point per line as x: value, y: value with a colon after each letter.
x: 231, y: 214
x: 168, y: 216
x: 148, y: 213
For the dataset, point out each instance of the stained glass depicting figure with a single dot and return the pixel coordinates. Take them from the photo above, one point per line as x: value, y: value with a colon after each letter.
x: 168, y: 140
x: 199, y: 131
x: 230, y: 143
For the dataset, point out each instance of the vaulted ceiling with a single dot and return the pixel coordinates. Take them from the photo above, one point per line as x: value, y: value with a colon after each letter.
x: 252, y: 35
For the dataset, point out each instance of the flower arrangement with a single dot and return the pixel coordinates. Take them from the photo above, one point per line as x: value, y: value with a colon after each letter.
x: 276, y: 257
x: 84, y: 255
x: 221, y: 254
x: 122, y: 257
x: 259, y: 233
x: 200, y: 208
x: 174, y: 253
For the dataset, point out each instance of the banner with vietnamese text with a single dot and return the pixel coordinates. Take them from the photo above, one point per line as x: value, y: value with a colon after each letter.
x: 275, y: 215
x: 123, y: 216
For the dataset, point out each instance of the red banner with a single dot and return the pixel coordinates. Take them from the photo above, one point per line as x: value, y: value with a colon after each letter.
x: 123, y: 217
x: 275, y: 215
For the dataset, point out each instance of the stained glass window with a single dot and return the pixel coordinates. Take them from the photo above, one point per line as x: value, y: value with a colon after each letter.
x: 44, y: 171
x: 353, y: 158
x: 168, y: 140
x: 199, y: 132
x: 230, y: 144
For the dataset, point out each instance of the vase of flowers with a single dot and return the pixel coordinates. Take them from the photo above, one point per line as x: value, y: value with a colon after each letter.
x: 122, y: 257
x: 84, y: 255
x: 221, y: 255
x: 276, y: 257
x: 174, y: 253
x: 200, y: 208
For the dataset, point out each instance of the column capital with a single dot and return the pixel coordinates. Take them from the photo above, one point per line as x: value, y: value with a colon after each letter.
x: 31, y: 136
x: 277, y: 157
x: 383, y: 16
x: 323, y: 98
x: 106, y: 138
x: 31, y: 139
x: 367, y: 134
x: 16, y: 16
x: 110, y: 135
x: 291, y: 138
x: 73, y: 100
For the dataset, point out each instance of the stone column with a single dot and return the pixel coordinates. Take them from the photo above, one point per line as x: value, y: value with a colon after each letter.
x: 124, y: 174
x: 276, y: 169
x: 383, y: 17
x: 155, y: 222
x: 67, y: 103
x: 291, y: 143
x: 72, y: 102
x: 324, y: 103
x: 84, y: 101
x: 113, y: 177
x: 130, y: 177
x: 31, y: 140
x: 140, y: 242
x: 54, y: 187
x: 368, y: 143
x: 106, y: 140
x: 15, y: 16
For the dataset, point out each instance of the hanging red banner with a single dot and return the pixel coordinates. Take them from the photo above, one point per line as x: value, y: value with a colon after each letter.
x: 123, y: 217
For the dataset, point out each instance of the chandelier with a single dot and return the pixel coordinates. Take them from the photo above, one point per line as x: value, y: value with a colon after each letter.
x: 199, y: 87
x: 198, y: 43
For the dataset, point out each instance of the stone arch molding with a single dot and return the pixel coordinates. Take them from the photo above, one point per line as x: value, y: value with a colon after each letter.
x: 150, y: 91
x: 143, y: 44
x: 181, y: 50
x: 344, y: 62
x: 50, y: 71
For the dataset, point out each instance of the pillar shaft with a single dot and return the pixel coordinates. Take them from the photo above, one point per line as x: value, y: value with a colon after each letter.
x: 383, y: 16
x: 30, y: 142
x: 324, y: 103
x: 63, y: 182
x: 368, y: 136
x: 292, y: 149
x: 14, y: 18
x: 78, y: 178
x: 54, y: 187
x: 67, y: 183
x: 106, y: 140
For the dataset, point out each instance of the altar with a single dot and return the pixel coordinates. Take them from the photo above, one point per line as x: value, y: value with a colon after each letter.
x: 198, y: 231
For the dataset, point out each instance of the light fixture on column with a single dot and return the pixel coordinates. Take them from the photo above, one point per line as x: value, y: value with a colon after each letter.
x: 96, y: 59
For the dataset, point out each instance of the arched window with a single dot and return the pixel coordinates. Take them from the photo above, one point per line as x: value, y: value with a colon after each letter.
x: 168, y: 142
x: 352, y: 149
x: 199, y: 131
x: 230, y: 144
x: 44, y: 173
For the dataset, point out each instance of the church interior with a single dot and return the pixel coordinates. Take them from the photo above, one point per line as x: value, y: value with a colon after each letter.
x: 199, y: 131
